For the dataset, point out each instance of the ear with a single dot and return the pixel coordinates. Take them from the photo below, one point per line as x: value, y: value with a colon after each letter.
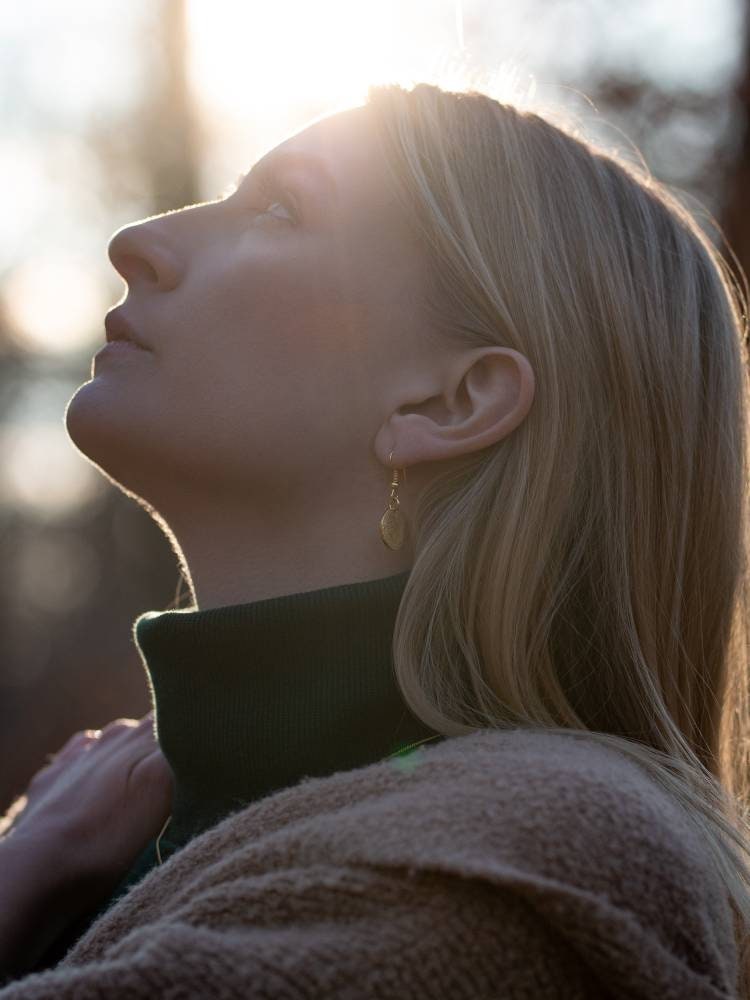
x: 485, y: 394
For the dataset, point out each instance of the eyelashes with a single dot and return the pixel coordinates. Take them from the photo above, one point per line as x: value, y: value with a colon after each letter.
x: 270, y: 193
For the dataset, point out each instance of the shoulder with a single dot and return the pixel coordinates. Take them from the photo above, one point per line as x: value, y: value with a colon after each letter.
x: 556, y: 852
x: 564, y: 794
x: 547, y: 804
x: 583, y: 834
x: 545, y: 796
x: 566, y: 809
x: 555, y: 769
x: 569, y: 774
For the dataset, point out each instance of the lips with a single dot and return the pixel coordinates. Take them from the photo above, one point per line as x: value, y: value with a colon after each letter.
x: 119, y: 328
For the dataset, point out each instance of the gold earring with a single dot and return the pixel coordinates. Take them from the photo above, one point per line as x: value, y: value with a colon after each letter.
x: 392, y: 526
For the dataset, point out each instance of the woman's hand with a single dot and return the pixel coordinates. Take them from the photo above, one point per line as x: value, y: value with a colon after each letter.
x: 100, y: 799
x: 77, y: 829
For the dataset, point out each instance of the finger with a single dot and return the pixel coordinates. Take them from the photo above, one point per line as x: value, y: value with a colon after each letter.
x: 82, y: 735
x: 76, y: 742
x: 150, y: 774
x: 148, y: 725
x: 131, y: 743
x: 116, y: 729
x: 144, y: 729
x: 119, y: 724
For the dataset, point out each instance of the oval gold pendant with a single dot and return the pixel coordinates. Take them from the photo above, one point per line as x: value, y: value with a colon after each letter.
x: 392, y: 529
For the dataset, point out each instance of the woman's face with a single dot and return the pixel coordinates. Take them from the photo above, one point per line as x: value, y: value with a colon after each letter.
x: 274, y: 320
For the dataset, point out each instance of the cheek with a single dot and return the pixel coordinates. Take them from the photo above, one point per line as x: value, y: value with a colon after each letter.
x: 309, y: 364
x: 275, y: 353
x: 285, y: 313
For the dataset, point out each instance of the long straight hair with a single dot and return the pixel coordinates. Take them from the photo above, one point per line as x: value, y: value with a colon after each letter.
x: 589, y: 572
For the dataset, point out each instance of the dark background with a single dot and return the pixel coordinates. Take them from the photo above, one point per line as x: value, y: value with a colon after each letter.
x: 121, y: 131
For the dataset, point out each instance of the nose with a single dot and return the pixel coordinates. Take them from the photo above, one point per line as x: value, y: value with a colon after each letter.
x: 143, y: 255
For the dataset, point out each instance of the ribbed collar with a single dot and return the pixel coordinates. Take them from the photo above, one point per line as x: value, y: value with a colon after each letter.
x: 250, y: 698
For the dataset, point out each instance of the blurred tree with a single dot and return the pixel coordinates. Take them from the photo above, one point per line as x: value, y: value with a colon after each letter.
x: 75, y: 666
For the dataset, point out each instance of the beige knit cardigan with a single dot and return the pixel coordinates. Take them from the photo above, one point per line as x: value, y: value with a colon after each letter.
x: 516, y: 864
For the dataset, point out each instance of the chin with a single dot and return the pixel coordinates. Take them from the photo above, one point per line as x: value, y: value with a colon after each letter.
x: 104, y: 432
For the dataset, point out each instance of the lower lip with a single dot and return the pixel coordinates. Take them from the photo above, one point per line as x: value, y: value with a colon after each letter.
x: 115, y: 347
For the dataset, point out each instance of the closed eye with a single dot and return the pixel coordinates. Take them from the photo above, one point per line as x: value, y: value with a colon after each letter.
x: 277, y: 203
x: 269, y: 196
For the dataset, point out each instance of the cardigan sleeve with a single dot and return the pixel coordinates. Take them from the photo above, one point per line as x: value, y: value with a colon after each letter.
x: 362, y: 932
x: 344, y: 932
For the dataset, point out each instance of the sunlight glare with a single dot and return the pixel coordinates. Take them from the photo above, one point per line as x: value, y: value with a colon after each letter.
x: 253, y: 57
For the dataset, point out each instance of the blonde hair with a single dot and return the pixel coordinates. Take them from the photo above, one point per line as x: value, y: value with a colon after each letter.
x: 588, y: 573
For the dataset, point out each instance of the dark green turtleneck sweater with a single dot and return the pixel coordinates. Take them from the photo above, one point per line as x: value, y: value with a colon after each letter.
x: 251, y: 698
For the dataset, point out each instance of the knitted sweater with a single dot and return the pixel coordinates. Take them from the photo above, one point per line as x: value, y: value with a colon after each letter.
x: 502, y: 864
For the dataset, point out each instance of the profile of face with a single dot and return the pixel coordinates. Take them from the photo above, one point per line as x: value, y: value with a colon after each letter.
x: 288, y: 351
x: 269, y: 317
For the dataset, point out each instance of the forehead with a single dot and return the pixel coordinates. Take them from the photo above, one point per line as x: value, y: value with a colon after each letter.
x: 347, y: 145
x: 372, y: 238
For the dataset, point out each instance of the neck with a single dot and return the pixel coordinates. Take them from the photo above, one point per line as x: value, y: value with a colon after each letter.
x: 234, y: 557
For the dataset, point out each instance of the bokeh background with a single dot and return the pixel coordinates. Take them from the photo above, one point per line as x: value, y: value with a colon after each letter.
x: 110, y: 112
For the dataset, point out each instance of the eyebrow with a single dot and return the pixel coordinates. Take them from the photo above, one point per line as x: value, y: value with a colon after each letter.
x: 284, y: 158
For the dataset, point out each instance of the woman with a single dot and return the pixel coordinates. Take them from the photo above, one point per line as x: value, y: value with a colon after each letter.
x: 546, y: 341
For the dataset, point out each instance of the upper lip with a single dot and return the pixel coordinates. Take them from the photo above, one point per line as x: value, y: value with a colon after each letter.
x: 120, y: 328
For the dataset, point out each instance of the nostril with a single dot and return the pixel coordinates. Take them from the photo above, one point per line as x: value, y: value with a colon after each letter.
x: 131, y: 266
